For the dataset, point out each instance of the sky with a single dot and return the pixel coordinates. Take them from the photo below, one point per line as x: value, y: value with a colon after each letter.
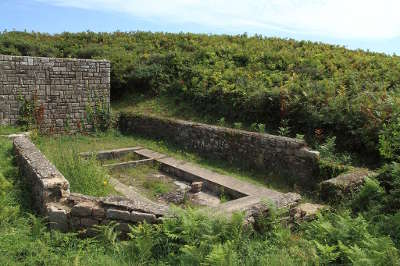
x: 356, y: 24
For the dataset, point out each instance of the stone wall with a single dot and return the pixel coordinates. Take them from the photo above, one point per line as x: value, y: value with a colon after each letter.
x: 61, y: 89
x: 67, y: 211
x: 279, y: 155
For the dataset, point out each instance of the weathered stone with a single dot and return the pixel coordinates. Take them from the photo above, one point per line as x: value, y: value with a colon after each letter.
x: 285, y: 156
x: 123, y: 227
x: 82, y: 209
x: 134, y: 204
x: 344, y: 184
x: 196, y: 187
x: 56, y: 86
x: 140, y: 217
x: 306, y: 211
x: 118, y: 215
x: 88, y: 222
x: 57, y: 216
x: 98, y: 212
x: 75, y: 223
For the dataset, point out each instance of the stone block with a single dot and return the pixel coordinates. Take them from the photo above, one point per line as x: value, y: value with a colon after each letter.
x: 123, y: 227
x: 98, y: 212
x: 306, y: 212
x: 118, y: 215
x: 141, y: 217
x: 196, y: 187
x: 82, y: 209
x: 58, y: 217
x: 344, y: 185
x: 88, y: 222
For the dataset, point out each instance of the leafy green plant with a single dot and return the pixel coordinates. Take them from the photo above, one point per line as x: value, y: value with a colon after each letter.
x: 99, y: 115
x: 284, y: 129
x: 31, y: 113
x: 342, y: 239
x: 261, y: 128
x: 107, y: 235
x: 221, y: 122
x: 314, y: 85
x: 389, y: 139
x: 238, y: 125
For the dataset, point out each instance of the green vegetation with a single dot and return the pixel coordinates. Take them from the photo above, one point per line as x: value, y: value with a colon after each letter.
x: 145, y: 179
x: 364, y: 230
x: 334, y: 98
x: 85, y: 176
x: 55, y: 146
x: 309, y: 86
x: 6, y: 130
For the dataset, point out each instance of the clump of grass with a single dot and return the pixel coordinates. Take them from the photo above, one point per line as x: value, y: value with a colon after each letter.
x: 6, y: 130
x: 85, y: 176
x: 157, y: 187
x: 144, y: 178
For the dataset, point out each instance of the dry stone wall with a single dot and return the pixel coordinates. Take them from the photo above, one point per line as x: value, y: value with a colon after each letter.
x: 61, y: 88
x: 279, y: 155
x: 67, y: 211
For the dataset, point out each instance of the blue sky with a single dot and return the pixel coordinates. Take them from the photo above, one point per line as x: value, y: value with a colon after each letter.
x: 365, y: 24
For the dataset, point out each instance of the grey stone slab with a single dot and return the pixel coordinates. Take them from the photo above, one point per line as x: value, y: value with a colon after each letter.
x: 129, y: 164
x: 107, y: 154
x: 223, y: 180
x: 150, y: 154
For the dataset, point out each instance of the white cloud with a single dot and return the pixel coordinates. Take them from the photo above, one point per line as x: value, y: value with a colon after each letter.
x: 372, y: 19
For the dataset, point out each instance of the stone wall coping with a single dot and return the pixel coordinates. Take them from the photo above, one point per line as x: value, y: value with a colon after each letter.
x: 11, y: 57
x: 299, y: 142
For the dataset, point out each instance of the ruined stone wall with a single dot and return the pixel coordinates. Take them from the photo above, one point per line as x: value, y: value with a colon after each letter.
x: 61, y: 88
x: 67, y: 211
x: 275, y: 154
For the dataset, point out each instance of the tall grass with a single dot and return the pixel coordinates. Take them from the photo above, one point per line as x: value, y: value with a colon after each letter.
x: 85, y: 175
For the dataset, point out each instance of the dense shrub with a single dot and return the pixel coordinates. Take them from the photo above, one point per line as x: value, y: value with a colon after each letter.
x: 350, y: 94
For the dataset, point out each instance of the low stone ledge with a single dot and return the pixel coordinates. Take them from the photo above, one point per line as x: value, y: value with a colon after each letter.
x: 47, y: 182
x: 345, y: 184
x: 306, y: 212
x: 280, y: 155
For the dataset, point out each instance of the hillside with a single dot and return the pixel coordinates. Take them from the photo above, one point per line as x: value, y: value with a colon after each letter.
x: 344, y: 103
x: 307, y: 87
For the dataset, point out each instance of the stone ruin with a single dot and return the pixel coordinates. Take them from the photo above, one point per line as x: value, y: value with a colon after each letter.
x: 64, y: 88
x: 60, y: 89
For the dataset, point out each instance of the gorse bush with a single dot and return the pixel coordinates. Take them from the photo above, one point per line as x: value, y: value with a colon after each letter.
x: 349, y: 94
